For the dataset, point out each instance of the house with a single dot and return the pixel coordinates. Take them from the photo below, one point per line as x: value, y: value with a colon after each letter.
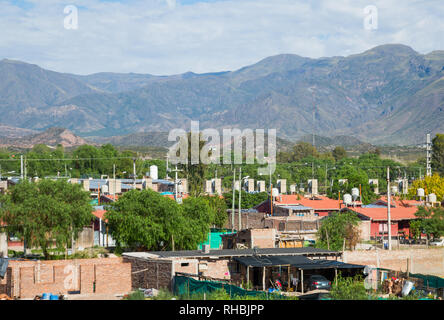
x: 320, y: 205
x: 374, y: 220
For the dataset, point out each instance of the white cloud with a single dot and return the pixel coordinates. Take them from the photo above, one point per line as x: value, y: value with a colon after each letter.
x: 166, y: 36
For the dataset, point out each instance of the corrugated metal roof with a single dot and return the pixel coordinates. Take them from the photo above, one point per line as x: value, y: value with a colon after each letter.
x: 231, y: 253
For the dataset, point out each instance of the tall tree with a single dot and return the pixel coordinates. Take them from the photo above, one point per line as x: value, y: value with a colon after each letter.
x: 438, y: 154
x: 339, y: 153
x: 46, y: 212
x: 337, y: 227
x: 145, y: 220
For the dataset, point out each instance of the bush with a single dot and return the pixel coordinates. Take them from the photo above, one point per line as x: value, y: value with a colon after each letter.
x: 349, y: 289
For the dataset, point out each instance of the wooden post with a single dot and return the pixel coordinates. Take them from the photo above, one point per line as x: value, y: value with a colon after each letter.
x: 248, y: 275
x: 302, y: 281
x: 328, y: 242
x: 288, y: 279
x: 263, y: 278
x: 336, y: 276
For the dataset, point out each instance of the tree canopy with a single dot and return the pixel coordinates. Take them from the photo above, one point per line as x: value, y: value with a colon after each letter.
x: 337, y: 227
x: 438, y: 154
x: 145, y: 220
x: 46, y: 212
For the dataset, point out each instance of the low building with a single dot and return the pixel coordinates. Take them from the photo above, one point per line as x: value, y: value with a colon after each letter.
x: 321, y: 205
x: 157, y: 269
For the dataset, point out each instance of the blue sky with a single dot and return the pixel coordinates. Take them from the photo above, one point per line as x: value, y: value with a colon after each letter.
x: 176, y: 36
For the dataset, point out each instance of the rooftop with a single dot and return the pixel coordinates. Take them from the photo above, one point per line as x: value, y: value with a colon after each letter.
x: 231, y: 253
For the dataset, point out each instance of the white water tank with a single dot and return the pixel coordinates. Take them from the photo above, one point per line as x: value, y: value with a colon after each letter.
x: 420, y: 192
x: 275, y: 192
x: 154, y: 173
x: 347, y: 199
x: 355, y: 193
x: 394, y: 189
x: 104, y: 188
x: 432, y: 197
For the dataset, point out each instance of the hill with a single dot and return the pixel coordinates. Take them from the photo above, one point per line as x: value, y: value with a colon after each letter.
x: 390, y: 94
x: 51, y: 137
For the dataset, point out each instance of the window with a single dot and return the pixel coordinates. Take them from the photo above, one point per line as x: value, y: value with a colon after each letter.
x: 185, y: 264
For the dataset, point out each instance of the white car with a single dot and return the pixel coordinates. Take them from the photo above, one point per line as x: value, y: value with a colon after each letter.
x: 438, y: 243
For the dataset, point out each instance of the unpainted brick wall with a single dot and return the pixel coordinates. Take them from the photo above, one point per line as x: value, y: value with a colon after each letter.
x: 26, y: 279
x: 425, y: 261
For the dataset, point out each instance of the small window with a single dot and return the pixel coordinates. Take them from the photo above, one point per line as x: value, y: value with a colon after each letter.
x: 185, y: 264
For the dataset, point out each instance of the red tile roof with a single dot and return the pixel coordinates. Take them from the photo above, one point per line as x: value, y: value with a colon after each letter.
x: 380, y: 214
x: 323, y: 203
x: 396, y: 201
x: 99, y: 214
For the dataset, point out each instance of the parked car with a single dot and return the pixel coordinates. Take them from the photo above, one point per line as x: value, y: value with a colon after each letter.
x: 317, y: 282
x: 439, y: 243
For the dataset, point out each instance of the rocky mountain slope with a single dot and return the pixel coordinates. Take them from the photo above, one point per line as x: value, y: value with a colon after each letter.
x: 387, y: 95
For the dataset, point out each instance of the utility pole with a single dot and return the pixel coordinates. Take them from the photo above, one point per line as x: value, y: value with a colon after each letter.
x: 389, y: 220
x: 21, y: 167
x: 240, y: 194
x: 233, y: 200
x: 114, y: 178
x: 176, y: 182
x: 134, y: 173
x: 167, y: 168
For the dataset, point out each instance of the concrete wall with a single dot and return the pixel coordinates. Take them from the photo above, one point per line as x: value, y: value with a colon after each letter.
x: 3, y: 244
x: 26, y: 279
x: 426, y: 261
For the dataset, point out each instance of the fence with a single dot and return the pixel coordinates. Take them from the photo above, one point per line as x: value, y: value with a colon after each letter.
x: 187, y: 286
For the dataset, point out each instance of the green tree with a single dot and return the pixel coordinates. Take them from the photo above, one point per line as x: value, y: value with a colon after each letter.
x: 145, y: 220
x: 46, y: 212
x: 195, y: 173
x: 219, y: 208
x: 339, y: 153
x: 304, y: 150
x: 337, y: 227
x: 431, y: 221
x: 438, y: 154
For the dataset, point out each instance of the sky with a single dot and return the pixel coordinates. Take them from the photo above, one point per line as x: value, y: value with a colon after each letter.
x: 165, y: 37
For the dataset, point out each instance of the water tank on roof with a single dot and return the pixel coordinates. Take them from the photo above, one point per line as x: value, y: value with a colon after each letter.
x: 420, y: 192
x: 154, y: 173
x: 432, y: 197
x: 275, y: 192
x: 347, y: 199
x: 394, y: 189
x: 355, y: 193
x: 104, y: 188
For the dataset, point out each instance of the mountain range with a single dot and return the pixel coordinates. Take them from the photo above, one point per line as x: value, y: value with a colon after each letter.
x: 390, y: 94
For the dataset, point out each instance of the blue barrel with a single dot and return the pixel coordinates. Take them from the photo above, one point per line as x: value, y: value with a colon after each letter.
x: 54, y: 297
x: 46, y: 296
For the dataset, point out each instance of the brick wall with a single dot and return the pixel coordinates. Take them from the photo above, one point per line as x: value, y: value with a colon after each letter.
x: 426, y: 261
x: 253, y: 220
x: 26, y: 279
